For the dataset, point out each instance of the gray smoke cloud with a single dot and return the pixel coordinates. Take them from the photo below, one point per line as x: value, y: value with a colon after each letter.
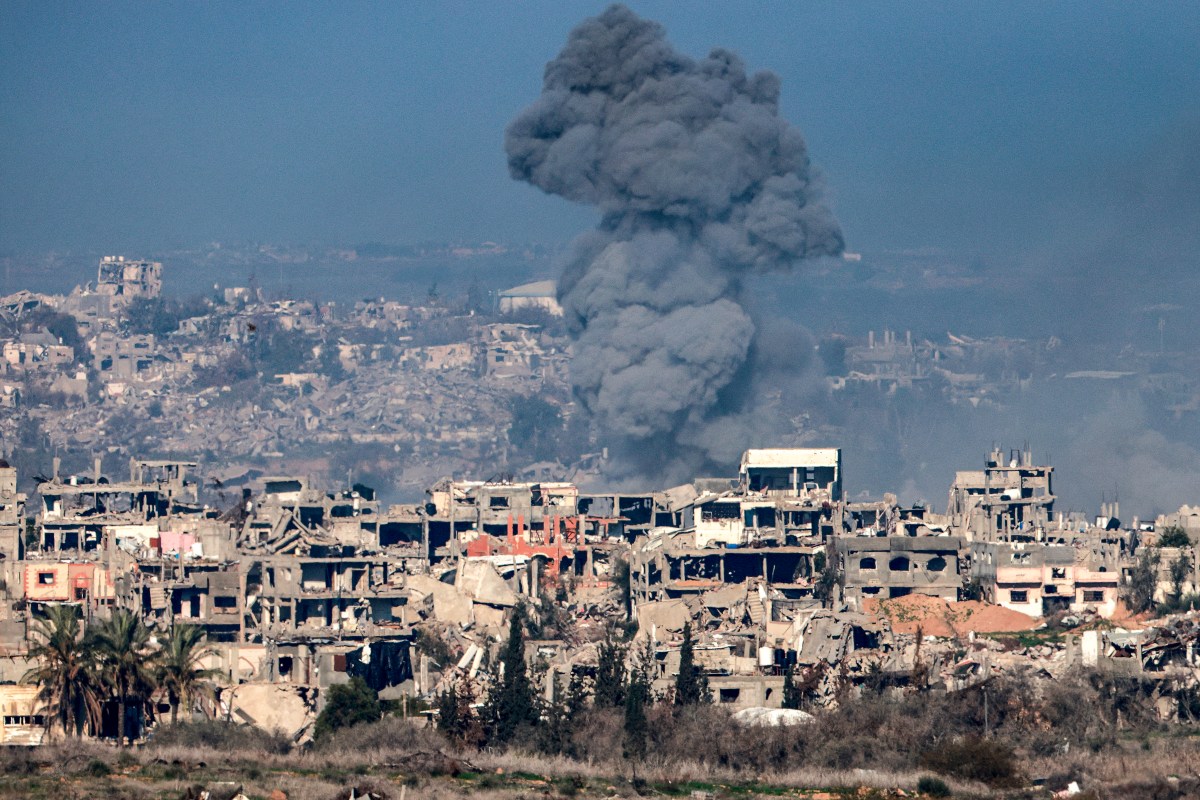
x: 701, y: 184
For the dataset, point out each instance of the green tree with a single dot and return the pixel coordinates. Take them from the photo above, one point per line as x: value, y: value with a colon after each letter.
x: 576, y: 696
x: 177, y: 668
x: 281, y: 351
x: 827, y: 581
x: 689, y: 683
x: 512, y: 703
x: 623, y: 579
x: 477, y: 298
x: 1143, y: 580
x: 69, y: 685
x: 556, y: 734
x: 329, y: 363
x: 637, y: 698
x: 610, y: 673
x: 1181, y: 569
x: 63, y: 327
x: 1174, y: 536
x: 802, y: 689
x: 457, y: 720
x: 348, y: 704
x: 159, y: 315
x: 449, y: 720
x: 124, y: 654
x: 792, y: 697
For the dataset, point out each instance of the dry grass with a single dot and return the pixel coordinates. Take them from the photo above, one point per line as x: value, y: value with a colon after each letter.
x: 1137, y: 761
x: 152, y: 772
x: 677, y: 771
x: 874, y: 745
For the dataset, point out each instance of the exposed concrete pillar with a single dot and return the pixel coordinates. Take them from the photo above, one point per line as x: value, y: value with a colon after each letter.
x: 425, y: 540
x: 241, y: 609
x: 475, y: 662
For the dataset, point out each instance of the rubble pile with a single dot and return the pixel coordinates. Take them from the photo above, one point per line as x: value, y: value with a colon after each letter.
x: 932, y: 616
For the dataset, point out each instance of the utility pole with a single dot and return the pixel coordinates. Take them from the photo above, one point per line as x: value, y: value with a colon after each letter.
x: 985, y: 712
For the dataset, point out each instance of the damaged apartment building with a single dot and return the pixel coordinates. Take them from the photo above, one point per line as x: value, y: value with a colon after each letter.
x: 544, y: 530
x: 1025, y: 557
x: 769, y: 523
x: 739, y: 558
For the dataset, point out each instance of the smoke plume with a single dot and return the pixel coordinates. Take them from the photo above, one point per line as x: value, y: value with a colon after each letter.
x: 700, y: 184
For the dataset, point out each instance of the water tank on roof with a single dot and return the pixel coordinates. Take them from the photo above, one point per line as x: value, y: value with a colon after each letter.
x: 766, y: 657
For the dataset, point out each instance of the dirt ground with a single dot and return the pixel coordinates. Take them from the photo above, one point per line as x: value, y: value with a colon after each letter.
x: 935, y: 617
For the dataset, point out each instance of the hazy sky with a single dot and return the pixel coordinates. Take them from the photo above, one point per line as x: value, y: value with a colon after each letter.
x: 126, y: 127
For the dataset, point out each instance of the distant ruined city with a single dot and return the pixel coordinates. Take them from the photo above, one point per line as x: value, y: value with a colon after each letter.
x: 778, y: 568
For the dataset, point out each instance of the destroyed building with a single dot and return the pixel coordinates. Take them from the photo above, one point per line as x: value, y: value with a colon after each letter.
x: 131, y: 278
x: 896, y: 566
x: 1010, y: 497
x: 79, y: 512
x: 1041, y: 579
x: 12, y: 523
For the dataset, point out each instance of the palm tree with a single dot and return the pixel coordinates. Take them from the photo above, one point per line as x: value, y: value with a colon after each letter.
x: 178, y: 670
x: 122, y: 645
x: 70, y: 685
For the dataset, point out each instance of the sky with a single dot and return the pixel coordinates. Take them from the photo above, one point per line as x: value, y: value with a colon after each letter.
x: 991, y: 129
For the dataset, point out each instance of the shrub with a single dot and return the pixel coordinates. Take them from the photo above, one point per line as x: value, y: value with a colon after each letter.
x: 933, y: 787
x: 229, y: 737
x: 349, y: 704
x: 16, y: 761
x: 98, y: 769
x: 973, y: 758
x: 429, y: 642
x: 390, y: 735
x: 1174, y: 536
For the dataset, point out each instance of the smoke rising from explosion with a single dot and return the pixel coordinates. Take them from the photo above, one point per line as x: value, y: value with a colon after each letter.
x: 701, y: 184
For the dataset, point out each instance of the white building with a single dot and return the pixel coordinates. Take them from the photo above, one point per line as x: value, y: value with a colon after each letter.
x: 539, y: 294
